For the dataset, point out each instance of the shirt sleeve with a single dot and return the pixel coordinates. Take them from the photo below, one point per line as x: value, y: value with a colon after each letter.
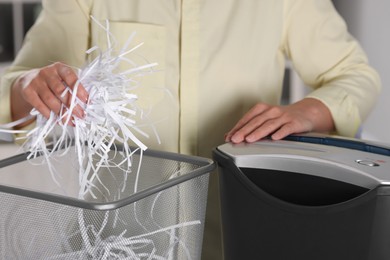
x: 61, y: 33
x: 331, y: 61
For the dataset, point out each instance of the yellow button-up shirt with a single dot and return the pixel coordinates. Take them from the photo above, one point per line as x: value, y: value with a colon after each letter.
x: 217, y: 58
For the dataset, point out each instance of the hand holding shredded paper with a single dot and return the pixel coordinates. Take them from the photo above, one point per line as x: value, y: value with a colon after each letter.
x: 95, y: 123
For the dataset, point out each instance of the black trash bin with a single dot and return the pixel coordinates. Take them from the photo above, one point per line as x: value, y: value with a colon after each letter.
x: 305, y: 197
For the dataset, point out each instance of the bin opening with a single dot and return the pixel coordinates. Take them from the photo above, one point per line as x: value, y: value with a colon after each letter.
x: 303, y: 189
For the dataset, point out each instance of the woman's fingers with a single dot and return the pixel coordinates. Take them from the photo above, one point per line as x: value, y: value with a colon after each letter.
x: 246, y: 124
x: 50, y: 89
x: 279, y: 121
x: 70, y: 79
x: 259, y: 122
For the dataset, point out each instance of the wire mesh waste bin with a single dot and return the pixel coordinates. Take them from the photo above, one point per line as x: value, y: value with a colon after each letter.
x: 159, y: 213
x: 305, y: 198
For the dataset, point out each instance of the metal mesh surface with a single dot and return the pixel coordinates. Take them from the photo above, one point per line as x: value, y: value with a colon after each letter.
x: 166, y: 223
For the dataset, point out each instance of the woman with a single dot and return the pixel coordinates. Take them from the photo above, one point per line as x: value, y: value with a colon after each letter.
x: 218, y: 60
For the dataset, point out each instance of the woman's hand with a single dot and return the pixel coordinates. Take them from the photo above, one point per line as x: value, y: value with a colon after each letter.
x: 264, y: 120
x: 43, y: 90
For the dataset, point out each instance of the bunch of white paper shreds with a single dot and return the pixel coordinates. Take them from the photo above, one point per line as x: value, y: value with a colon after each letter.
x: 109, y: 117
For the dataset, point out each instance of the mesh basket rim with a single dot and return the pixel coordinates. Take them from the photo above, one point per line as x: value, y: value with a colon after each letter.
x: 206, y: 166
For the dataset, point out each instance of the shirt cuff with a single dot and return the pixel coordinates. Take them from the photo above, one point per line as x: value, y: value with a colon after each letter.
x: 344, y: 111
x: 5, y: 95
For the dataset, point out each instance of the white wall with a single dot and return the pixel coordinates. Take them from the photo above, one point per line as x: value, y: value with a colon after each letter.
x: 369, y: 21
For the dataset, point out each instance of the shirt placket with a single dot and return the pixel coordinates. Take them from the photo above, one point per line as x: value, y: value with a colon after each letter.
x: 189, y: 76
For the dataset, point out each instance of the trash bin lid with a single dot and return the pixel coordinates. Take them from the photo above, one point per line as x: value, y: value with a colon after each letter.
x: 347, y: 160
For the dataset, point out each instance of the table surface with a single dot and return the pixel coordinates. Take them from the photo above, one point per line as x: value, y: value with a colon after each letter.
x: 9, y: 149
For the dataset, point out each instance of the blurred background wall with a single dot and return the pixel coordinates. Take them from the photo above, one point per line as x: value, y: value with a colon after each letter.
x: 369, y: 21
